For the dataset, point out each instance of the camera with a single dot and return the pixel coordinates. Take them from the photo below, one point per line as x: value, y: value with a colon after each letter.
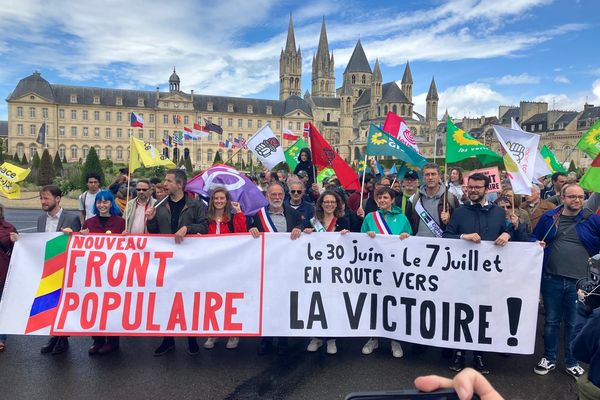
x: 591, y: 284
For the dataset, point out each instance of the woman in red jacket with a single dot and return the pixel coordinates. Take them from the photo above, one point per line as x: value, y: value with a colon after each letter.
x: 106, y: 220
x: 224, y: 216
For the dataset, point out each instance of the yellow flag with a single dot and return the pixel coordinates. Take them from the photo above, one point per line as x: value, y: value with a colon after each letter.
x: 145, y: 154
x: 9, y: 176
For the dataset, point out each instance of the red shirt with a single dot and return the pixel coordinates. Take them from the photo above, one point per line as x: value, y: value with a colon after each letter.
x: 239, y: 225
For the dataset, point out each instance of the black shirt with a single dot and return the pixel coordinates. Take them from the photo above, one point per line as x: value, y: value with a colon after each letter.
x: 176, y: 209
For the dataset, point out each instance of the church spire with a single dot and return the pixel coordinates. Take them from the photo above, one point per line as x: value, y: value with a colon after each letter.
x: 323, y: 49
x: 432, y: 94
x: 323, y: 80
x: 290, y: 44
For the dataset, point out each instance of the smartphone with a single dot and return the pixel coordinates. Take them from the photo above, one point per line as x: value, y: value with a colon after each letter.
x: 444, y: 394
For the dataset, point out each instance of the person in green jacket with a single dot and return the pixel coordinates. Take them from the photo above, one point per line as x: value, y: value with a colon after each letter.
x: 388, y: 220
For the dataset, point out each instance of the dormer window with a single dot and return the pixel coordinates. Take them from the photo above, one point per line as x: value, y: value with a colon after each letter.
x: 96, y: 99
x: 209, y: 106
x: 269, y: 110
x: 119, y: 101
x: 141, y: 102
x: 73, y: 98
x: 230, y: 107
x: 250, y: 109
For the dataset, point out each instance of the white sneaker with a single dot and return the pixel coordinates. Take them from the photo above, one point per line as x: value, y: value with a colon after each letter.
x: 544, y: 366
x: 331, y: 347
x: 575, y: 371
x: 210, y: 343
x: 372, y: 344
x: 397, y: 349
x: 314, y: 345
x: 232, y: 343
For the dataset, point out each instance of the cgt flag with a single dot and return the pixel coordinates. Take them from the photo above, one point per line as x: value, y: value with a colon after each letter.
x: 266, y: 147
x: 324, y: 156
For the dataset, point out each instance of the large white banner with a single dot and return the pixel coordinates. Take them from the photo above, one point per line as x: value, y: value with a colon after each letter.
x: 440, y: 292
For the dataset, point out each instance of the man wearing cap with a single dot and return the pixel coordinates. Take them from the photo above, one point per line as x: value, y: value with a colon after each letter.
x: 120, y: 181
x: 409, y: 187
x: 311, y: 192
x: 298, y: 202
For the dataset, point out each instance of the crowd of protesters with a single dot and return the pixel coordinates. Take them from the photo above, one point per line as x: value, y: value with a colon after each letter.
x: 558, y: 214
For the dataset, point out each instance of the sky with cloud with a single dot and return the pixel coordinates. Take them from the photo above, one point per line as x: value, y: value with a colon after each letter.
x: 483, y: 53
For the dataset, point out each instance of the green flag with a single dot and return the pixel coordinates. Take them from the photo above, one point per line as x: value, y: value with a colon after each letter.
x: 551, y: 160
x: 461, y: 145
x: 362, y: 166
x: 590, y: 141
x: 380, y: 143
x: 291, y: 154
x: 591, y: 179
x: 325, y: 173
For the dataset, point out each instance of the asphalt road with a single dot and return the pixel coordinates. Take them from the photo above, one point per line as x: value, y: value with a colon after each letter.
x: 133, y: 372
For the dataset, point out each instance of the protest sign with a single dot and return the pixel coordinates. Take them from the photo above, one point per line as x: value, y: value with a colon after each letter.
x: 440, y: 292
x: 492, y: 173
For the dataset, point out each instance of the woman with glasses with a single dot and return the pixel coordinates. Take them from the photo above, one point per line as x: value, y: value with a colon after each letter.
x: 516, y: 203
x: 329, y: 217
x: 107, y: 220
x: 515, y: 228
x: 224, y: 216
x: 387, y: 220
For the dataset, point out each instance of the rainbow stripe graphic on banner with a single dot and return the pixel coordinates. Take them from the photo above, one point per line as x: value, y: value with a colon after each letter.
x: 45, y: 305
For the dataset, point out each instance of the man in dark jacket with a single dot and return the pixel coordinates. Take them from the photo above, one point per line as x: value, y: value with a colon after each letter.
x: 477, y: 220
x: 179, y: 215
x: 586, y: 348
x: 571, y: 234
x: 276, y: 217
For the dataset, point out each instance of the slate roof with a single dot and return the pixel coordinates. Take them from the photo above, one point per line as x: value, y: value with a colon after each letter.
x: 407, y: 77
x: 537, y: 118
x: 566, y: 118
x: 432, y: 94
x: 358, y: 61
x: 513, y: 112
x: 592, y: 112
x: 61, y: 94
x: 3, y: 128
x: 391, y: 93
x: 326, y: 102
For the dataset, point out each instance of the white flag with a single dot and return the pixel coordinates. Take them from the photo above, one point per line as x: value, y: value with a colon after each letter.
x: 406, y: 137
x: 540, y: 168
x: 519, y: 155
x: 266, y: 147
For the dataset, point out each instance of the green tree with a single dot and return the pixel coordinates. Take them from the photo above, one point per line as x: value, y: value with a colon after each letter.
x: 218, y: 159
x: 35, y: 161
x: 92, y: 164
x: 2, y: 156
x: 64, y: 160
x: 35, y: 167
x: 24, y: 161
x: 188, y: 166
x: 45, y: 175
x: 57, y: 164
x: 16, y: 159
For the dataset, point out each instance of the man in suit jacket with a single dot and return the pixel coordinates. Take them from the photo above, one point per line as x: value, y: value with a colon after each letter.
x: 276, y: 217
x: 55, y: 219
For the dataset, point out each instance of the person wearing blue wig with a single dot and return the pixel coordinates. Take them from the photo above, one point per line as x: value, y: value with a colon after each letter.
x: 107, y: 220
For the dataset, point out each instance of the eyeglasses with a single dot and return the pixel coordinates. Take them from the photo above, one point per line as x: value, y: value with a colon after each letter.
x: 475, y: 187
x: 575, y: 197
x: 296, y: 191
x: 141, y: 189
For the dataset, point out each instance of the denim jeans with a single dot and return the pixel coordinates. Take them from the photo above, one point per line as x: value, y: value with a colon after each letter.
x: 560, y: 299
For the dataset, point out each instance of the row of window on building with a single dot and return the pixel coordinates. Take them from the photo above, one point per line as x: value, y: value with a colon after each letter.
x: 74, y: 152
x: 167, y: 118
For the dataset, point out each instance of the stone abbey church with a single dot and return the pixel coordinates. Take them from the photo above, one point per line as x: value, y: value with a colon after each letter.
x: 79, y: 117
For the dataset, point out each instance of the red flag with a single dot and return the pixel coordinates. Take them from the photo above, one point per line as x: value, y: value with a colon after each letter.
x: 392, y: 124
x: 324, y: 156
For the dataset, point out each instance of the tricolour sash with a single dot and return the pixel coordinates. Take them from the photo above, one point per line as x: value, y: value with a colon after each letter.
x: 319, y: 226
x: 382, y: 227
x: 266, y: 220
x: 428, y: 219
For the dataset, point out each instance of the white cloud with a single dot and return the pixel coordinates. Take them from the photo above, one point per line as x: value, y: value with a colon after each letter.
x: 471, y: 100
x: 561, y: 79
x: 572, y: 101
x: 521, y: 79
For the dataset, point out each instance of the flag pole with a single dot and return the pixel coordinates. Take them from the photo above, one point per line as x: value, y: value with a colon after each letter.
x: 446, y: 184
x: 233, y: 154
x: 131, y: 144
x: 362, y: 186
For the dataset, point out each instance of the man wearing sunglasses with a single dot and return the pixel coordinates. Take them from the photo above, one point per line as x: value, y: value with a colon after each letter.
x: 135, y: 212
x: 298, y: 202
x: 570, y: 234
